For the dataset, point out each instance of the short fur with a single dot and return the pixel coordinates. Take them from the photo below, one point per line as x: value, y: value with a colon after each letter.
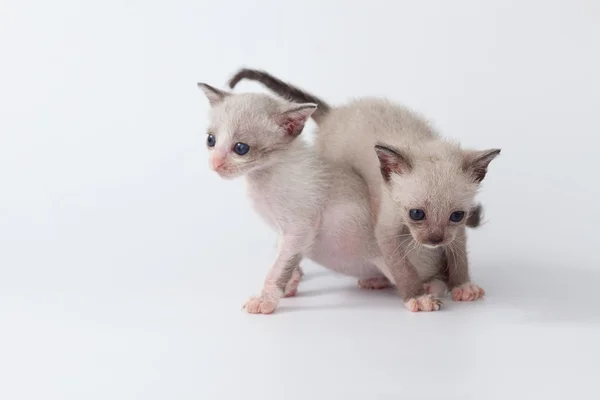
x: 406, y: 165
x: 321, y: 211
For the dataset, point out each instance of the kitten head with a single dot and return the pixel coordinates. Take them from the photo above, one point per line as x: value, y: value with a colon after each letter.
x: 433, y: 186
x: 250, y: 131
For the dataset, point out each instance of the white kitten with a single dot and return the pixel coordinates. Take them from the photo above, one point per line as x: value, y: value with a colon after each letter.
x: 313, y: 206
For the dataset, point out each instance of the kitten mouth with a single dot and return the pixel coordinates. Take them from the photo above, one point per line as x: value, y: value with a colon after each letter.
x: 226, y: 174
x: 433, y: 245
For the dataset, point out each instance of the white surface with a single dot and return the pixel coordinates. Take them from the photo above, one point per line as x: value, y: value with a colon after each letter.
x: 124, y: 262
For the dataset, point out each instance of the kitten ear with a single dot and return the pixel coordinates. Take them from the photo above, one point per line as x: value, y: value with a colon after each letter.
x: 476, y: 163
x: 215, y: 96
x: 392, y: 161
x: 294, y: 119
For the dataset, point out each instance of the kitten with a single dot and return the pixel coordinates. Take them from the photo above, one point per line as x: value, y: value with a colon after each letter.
x: 419, y: 183
x: 320, y: 211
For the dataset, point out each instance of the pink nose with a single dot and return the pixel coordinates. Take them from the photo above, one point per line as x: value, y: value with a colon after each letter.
x: 217, y: 161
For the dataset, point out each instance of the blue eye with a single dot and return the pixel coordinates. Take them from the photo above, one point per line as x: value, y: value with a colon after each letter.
x: 457, y: 216
x: 241, y: 148
x: 210, y: 141
x: 416, y: 214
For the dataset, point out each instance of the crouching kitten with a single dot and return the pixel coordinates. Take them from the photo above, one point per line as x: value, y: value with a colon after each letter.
x: 419, y: 183
x: 320, y: 211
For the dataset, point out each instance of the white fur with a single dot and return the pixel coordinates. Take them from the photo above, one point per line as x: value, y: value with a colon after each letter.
x: 319, y: 210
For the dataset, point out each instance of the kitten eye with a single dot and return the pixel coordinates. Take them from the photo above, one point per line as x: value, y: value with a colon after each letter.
x: 416, y: 214
x: 241, y: 148
x: 457, y: 216
x: 211, y: 141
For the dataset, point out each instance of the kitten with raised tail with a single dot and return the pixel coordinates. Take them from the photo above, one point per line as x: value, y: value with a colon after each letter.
x: 420, y: 185
x: 319, y: 210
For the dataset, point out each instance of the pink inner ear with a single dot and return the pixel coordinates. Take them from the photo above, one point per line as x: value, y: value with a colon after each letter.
x: 290, y: 126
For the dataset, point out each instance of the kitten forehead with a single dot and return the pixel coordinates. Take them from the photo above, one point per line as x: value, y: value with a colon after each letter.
x: 442, y: 182
x: 437, y: 179
x: 248, y: 105
x: 246, y: 113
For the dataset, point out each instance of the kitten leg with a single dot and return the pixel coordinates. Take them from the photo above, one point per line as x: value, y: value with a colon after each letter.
x: 406, y: 277
x: 412, y: 291
x: 380, y: 282
x: 458, y: 271
x: 278, y: 277
x: 292, y: 286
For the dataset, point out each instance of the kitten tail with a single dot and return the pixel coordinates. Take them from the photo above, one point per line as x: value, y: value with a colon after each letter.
x: 283, y: 89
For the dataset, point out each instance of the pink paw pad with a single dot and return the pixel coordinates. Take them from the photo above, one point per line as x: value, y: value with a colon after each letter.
x: 467, y: 292
x: 260, y: 305
x: 424, y: 302
x: 374, y: 283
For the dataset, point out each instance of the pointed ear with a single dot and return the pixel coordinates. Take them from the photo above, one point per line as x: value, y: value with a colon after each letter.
x: 392, y: 161
x: 294, y: 118
x: 215, y: 96
x: 476, y: 163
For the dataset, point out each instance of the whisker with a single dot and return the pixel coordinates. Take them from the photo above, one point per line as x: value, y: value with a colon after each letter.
x: 451, y: 271
x: 463, y: 255
x: 413, y: 245
x: 396, y: 236
x: 399, y: 245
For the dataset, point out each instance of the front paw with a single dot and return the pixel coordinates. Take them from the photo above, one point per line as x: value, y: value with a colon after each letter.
x: 424, y: 302
x: 467, y: 292
x: 260, y: 305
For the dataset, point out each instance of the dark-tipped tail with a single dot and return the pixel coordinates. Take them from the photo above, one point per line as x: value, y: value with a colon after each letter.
x: 283, y: 89
x: 475, y: 216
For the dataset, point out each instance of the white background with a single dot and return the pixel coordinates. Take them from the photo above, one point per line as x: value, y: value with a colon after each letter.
x: 124, y: 261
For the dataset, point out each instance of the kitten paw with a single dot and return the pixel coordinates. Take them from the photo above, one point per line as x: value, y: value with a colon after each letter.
x: 436, y: 287
x: 260, y: 305
x: 467, y: 292
x: 374, y: 283
x: 292, y: 286
x: 425, y: 302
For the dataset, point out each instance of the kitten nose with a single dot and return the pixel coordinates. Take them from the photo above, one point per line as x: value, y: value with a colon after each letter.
x: 436, y: 238
x: 217, y: 161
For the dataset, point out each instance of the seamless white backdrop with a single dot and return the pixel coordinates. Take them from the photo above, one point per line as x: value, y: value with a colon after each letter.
x: 124, y: 261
